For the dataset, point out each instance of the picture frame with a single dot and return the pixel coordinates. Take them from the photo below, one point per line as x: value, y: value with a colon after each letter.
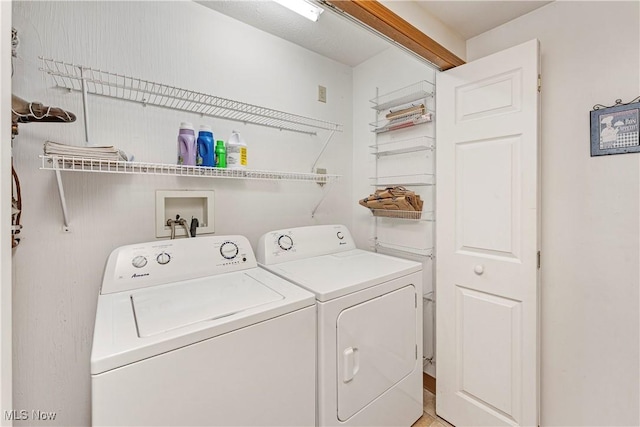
x: 614, y: 130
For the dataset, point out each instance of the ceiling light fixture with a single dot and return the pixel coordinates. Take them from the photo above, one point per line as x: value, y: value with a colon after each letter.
x: 302, y: 7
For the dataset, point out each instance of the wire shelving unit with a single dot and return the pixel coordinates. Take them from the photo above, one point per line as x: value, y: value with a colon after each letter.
x: 145, y: 92
x: 400, y: 110
x: 411, y: 145
x: 414, y: 180
x: 420, y: 90
x: 79, y: 164
x: 407, y: 215
x: 87, y: 80
x: 377, y: 244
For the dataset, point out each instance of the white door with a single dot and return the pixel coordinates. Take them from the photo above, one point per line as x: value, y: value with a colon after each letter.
x: 487, y: 240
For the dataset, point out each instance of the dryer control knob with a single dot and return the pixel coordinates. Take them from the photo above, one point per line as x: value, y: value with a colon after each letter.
x: 229, y: 250
x: 163, y: 258
x: 139, y: 261
x: 340, y: 235
x: 285, y: 242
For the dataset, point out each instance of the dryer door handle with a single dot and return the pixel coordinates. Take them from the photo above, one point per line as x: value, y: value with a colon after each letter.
x: 350, y: 363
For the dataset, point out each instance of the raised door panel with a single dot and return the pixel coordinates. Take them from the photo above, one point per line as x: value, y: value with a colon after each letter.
x: 492, y: 96
x: 488, y: 209
x: 489, y: 371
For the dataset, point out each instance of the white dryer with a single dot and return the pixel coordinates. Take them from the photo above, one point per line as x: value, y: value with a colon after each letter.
x: 192, y: 332
x: 369, y: 324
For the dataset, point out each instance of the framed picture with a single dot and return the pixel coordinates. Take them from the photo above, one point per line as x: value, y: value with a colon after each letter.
x: 614, y: 130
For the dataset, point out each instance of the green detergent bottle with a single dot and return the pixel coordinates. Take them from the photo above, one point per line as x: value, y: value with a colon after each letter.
x: 221, y: 155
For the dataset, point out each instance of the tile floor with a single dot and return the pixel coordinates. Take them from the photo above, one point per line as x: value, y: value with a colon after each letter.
x: 429, y: 417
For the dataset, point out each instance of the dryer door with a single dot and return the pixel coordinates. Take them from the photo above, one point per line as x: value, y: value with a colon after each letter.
x: 376, y: 348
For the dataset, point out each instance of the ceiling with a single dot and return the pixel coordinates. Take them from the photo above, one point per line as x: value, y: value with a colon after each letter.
x: 333, y: 36
x: 470, y: 18
x: 336, y: 37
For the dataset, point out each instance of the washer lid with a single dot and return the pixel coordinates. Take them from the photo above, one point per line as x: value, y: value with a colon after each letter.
x: 166, y: 308
x: 134, y: 325
x: 335, y: 275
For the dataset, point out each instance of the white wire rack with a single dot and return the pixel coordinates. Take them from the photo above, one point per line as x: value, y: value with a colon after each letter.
x: 104, y: 83
x: 397, y: 214
x: 412, y: 145
x: 401, y: 249
x: 410, y: 120
x: 422, y: 179
x: 78, y: 164
x: 414, y: 92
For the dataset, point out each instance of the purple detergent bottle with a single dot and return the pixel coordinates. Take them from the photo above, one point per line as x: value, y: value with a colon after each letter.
x: 187, y: 147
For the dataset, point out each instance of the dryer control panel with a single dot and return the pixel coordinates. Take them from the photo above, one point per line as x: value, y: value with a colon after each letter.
x: 303, y: 242
x: 166, y: 261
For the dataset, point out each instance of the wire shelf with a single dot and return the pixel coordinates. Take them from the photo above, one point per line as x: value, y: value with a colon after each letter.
x: 103, y: 83
x: 412, y: 145
x: 78, y: 164
x: 385, y: 125
x: 406, y: 215
x: 406, y: 180
x: 414, y: 92
x: 425, y: 252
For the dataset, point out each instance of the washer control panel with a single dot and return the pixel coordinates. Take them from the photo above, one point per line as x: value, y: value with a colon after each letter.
x: 303, y: 242
x: 155, y: 263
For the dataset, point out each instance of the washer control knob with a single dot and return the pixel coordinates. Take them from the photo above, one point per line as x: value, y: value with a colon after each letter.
x: 340, y: 235
x: 229, y: 250
x: 285, y: 242
x: 163, y: 258
x: 139, y: 261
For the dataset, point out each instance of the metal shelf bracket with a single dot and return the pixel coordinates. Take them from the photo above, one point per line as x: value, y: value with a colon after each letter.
x: 324, y: 147
x: 63, y: 201
x: 324, y: 195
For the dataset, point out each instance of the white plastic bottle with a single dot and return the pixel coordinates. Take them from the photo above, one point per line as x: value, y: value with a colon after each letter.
x: 236, y: 152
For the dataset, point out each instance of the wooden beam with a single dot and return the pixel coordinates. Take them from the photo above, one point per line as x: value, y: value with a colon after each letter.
x: 375, y: 15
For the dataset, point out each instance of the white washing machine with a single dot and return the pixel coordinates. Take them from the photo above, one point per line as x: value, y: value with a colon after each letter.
x: 369, y: 324
x: 192, y: 332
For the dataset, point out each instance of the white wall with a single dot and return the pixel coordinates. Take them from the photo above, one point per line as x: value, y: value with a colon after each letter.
x: 57, y: 275
x: 590, y: 210
x: 389, y: 71
x: 417, y: 16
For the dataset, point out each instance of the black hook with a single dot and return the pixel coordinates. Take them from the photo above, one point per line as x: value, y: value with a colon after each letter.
x: 194, y: 225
